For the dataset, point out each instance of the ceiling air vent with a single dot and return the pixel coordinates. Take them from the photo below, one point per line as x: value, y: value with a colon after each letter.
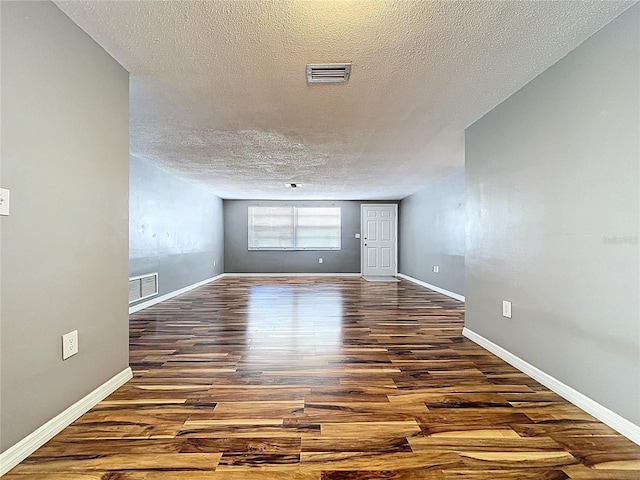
x: 328, y: 73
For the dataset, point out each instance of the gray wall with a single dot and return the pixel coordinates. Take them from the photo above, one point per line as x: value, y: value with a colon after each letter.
x: 240, y: 260
x: 175, y: 228
x: 432, y: 232
x: 553, y: 210
x: 65, y: 142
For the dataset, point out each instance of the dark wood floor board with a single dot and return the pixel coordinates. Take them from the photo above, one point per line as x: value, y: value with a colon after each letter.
x: 242, y: 445
x: 320, y: 378
x: 249, y: 430
x: 251, y: 460
x: 381, y: 461
x: 16, y: 475
x: 563, y: 428
x: 417, y: 474
x: 510, y: 474
x: 500, y: 441
x: 96, y: 447
x: 120, y: 461
x: 239, y: 474
x: 326, y: 443
x: 602, y: 452
x: 516, y: 459
x: 581, y: 472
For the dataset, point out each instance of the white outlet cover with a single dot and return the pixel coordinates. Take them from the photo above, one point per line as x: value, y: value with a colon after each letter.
x: 506, y: 309
x: 357, y: 235
x: 69, y: 344
x: 320, y: 260
x: 5, y: 196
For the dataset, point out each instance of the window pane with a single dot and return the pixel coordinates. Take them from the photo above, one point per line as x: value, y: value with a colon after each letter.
x: 318, y: 227
x: 270, y: 227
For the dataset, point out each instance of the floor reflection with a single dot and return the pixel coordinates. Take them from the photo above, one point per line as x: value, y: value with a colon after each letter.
x: 293, y: 321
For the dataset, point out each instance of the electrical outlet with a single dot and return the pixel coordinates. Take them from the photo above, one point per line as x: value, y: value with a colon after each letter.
x: 69, y: 344
x: 436, y: 269
x: 357, y: 235
x: 5, y: 195
x: 320, y: 260
x: 506, y: 309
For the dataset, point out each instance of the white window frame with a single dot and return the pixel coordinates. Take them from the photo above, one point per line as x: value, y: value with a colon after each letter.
x: 295, y: 226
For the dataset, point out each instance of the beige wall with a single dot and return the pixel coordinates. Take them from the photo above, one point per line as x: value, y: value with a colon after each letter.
x: 64, y: 248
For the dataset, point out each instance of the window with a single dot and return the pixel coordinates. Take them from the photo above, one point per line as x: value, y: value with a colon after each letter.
x: 294, y: 228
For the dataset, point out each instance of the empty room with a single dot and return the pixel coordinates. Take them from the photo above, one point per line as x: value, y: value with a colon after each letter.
x: 320, y: 240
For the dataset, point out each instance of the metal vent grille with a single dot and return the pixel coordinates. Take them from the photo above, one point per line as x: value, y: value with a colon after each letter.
x: 143, y: 286
x: 328, y: 73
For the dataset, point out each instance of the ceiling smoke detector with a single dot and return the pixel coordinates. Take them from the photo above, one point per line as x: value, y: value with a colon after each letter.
x: 328, y: 72
x: 292, y: 185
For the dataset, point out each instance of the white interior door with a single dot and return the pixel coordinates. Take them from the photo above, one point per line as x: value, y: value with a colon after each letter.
x: 379, y: 239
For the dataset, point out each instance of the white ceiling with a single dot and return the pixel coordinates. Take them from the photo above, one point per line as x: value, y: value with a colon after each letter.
x: 219, y: 94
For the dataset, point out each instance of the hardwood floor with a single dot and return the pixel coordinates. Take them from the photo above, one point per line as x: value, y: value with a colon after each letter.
x: 325, y: 379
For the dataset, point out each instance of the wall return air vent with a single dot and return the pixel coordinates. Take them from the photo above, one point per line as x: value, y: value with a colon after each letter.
x: 143, y: 286
x: 328, y: 72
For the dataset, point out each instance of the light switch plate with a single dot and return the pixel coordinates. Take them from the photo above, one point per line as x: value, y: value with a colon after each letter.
x: 4, y: 201
x: 506, y: 309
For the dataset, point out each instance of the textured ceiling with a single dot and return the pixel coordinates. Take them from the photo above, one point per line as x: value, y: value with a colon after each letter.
x: 219, y: 94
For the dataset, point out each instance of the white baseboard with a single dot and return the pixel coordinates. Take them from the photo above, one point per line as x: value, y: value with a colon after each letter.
x: 606, y: 416
x: 25, y: 447
x: 457, y: 296
x: 291, y: 274
x: 175, y: 293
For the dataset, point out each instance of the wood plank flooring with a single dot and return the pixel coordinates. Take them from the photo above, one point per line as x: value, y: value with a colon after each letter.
x: 325, y: 379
